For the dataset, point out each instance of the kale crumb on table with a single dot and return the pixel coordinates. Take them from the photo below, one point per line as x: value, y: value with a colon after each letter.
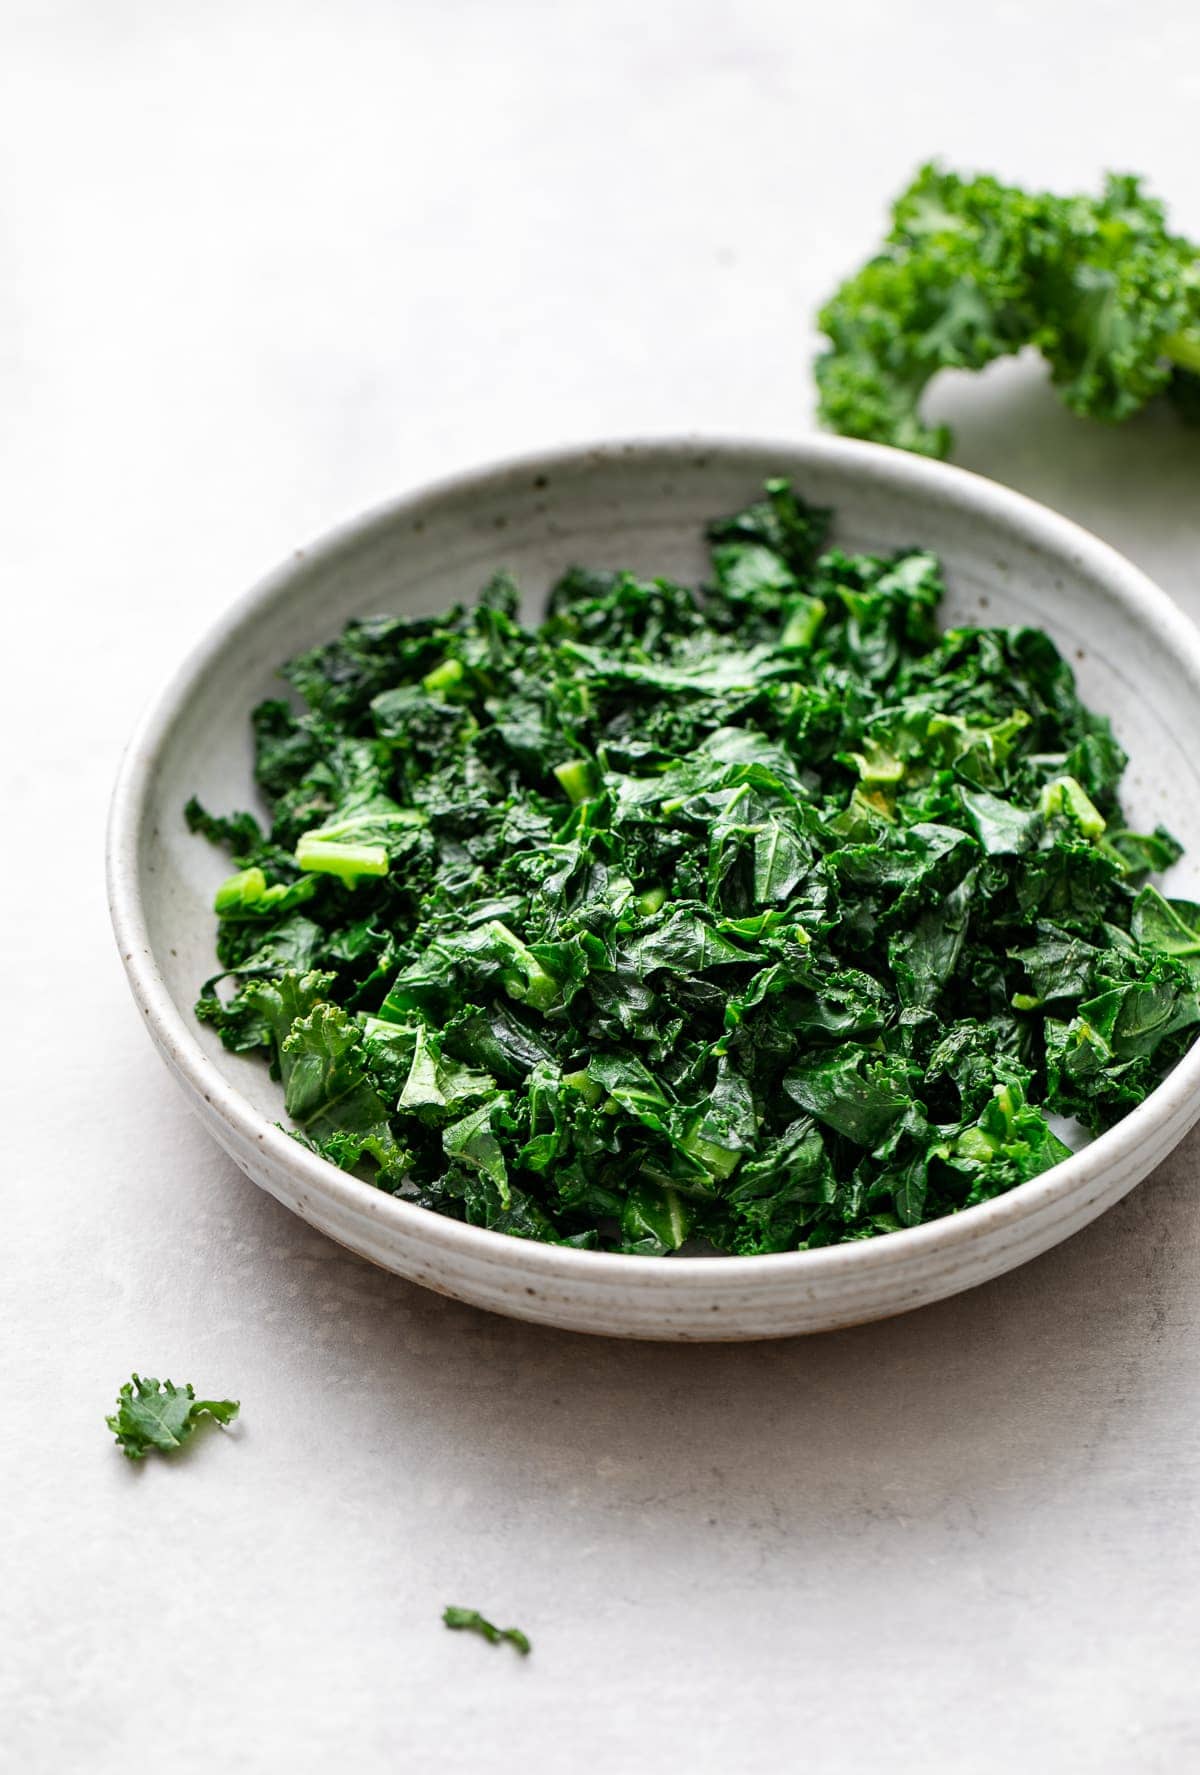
x: 471, y: 1621
x: 759, y: 917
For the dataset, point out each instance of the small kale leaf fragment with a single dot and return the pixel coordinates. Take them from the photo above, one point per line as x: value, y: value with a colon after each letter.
x: 471, y: 1621
x: 159, y: 1415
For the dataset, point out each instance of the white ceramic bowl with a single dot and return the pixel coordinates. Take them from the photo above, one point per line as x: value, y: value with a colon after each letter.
x: 643, y: 505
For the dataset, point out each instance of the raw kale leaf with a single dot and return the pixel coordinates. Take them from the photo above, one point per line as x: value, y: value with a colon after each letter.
x: 756, y: 917
x: 472, y: 1621
x: 158, y: 1414
x: 973, y: 270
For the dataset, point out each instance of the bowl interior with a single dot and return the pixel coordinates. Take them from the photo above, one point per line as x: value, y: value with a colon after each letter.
x: 645, y: 508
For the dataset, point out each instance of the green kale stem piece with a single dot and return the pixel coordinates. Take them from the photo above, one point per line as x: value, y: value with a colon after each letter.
x: 973, y: 270
x: 347, y: 861
x: 1183, y: 349
x: 444, y: 678
x: 578, y: 778
x: 527, y: 979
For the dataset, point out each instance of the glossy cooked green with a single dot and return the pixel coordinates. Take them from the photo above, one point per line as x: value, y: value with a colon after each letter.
x: 765, y: 916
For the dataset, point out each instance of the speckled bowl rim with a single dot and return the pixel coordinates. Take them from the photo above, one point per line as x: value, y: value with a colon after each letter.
x: 936, y: 1239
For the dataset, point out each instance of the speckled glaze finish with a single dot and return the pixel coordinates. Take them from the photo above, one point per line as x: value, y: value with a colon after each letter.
x: 643, y: 505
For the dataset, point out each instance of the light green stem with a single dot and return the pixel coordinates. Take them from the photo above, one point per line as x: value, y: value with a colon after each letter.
x: 327, y: 857
x: 1184, y: 350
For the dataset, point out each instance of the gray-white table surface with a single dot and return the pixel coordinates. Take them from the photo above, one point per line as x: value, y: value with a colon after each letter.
x: 262, y: 265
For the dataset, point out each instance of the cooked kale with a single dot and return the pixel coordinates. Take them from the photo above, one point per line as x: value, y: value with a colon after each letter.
x: 973, y: 270
x: 160, y: 1415
x: 473, y: 1622
x: 760, y: 917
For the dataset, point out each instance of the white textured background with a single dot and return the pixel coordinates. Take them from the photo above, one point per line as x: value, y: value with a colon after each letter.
x: 260, y: 266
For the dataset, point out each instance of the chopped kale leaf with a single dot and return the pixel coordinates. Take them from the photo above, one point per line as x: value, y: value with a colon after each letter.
x: 757, y: 917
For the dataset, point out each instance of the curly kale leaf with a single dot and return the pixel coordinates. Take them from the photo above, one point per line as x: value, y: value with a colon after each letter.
x: 973, y: 270
x: 158, y: 1414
